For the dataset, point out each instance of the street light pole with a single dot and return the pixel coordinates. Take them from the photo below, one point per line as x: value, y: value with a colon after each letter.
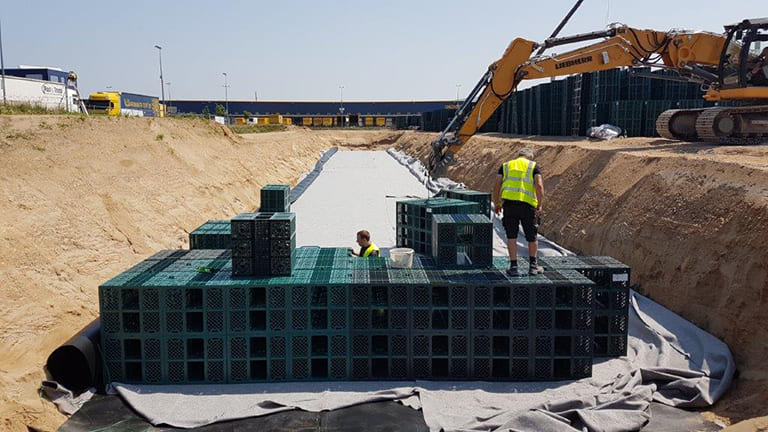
x: 162, y: 86
x: 226, y: 96
x: 341, y: 106
x: 2, y: 64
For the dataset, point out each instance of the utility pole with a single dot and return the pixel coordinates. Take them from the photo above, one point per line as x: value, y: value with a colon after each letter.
x: 255, y: 96
x: 458, y: 86
x: 162, y: 86
x: 341, y: 106
x: 2, y: 63
x: 226, y: 96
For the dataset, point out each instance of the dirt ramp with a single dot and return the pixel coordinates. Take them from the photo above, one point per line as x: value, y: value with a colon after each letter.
x: 82, y: 199
x: 691, y: 220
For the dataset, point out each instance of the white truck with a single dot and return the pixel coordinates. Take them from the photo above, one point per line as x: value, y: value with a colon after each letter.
x: 51, y: 88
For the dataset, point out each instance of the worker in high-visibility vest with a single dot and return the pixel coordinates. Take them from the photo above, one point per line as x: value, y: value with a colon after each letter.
x: 519, y: 192
x: 367, y: 247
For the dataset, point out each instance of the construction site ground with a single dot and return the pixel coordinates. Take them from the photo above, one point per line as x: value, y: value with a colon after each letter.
x: 83, y: 198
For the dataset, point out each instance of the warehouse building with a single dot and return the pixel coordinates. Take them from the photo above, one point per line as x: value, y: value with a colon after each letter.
x: 402, y: 114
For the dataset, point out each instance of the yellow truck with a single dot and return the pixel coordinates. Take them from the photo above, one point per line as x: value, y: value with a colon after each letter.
x: 127, y: 104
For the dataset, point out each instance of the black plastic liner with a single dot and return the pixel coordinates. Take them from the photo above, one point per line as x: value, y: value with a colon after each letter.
x: 300, y: 188
x: 76, y: 364
x: 110, y: 413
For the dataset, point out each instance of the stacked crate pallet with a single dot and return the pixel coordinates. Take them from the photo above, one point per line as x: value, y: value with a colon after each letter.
x: 263, y: 244
x: 618, y: 96
x: 483, y: 199
x: 414, y: 220
x: 459, y: 236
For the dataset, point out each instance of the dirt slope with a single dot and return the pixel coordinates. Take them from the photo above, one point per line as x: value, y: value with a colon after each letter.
x: 691, y: 220
x: 83, y: 198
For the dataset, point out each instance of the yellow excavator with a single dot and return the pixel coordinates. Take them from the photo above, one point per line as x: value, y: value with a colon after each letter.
x: 729, y: 66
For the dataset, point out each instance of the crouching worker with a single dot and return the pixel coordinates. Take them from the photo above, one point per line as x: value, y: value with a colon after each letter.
x: 367, y: 247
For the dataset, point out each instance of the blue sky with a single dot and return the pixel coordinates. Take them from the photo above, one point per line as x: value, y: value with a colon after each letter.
x: 293, y: 49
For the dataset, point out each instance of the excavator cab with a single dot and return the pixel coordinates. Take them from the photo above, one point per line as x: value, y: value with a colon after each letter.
x: 744, y: 60
x: 742, y: 77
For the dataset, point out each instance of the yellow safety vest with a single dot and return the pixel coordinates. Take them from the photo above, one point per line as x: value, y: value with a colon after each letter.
x: 372, y: 247
x: 517, y: 181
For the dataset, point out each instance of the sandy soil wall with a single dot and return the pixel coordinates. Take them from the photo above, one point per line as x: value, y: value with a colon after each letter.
x: 82, y: 199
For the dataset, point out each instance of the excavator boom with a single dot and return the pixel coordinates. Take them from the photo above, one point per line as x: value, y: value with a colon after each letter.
x: 696, y: 56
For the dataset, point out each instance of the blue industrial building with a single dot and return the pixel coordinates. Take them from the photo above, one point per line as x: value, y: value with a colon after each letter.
x: 314, y: 108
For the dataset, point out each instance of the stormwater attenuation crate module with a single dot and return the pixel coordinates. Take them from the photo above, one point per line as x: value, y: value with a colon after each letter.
x: 483, y: 199
x: 612, y: 281
x: 214, y: 234
x: 413, y: 222
x: 182, y: 317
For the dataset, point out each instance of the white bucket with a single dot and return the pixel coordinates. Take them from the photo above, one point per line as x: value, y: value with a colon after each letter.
x: 401, y: 257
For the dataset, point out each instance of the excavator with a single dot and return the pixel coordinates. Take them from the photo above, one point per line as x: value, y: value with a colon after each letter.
x: 728, y: 66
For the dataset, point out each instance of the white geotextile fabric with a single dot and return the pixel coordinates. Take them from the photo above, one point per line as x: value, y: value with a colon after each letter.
x: 669, y: 359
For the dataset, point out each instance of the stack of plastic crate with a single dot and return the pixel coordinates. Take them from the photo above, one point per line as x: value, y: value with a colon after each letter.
x: 181, y: 317
x: 558, y: 108
x: 455, y: 236
x: 538, y: 328
x: 611, y: 279
x: 160, y: 324
x: 276, y: 198
x: 483, y: 199
x: 414, y: 220
x: 542, y: 95
x: 628, y: 115
x: 606, y: 85
x: 635, y: 87
x: 214, y: 234
x: 380, y: 324
x: 263, y: 244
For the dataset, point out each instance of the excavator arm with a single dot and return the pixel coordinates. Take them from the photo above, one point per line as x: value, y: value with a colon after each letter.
x: 694, y: 55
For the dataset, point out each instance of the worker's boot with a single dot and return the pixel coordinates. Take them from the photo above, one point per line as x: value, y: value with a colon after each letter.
x: 512, y: 270
x: 534, y: 267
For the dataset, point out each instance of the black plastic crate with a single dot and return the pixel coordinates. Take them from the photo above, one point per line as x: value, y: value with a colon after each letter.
x: 414, y: 220
x: 214, y: 234
x: 275, y: 198
x: 459, y: 236
x: 483, y: 199
x: 611, y: 298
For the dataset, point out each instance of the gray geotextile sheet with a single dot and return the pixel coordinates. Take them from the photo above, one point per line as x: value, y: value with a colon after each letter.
x: 669, y: 359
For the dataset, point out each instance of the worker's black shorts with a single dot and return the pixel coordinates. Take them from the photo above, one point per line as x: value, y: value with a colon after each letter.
x: 516, y: 213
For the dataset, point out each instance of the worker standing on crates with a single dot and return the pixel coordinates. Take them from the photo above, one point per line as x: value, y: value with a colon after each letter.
x: 367, y: 247
x: 521, y: 189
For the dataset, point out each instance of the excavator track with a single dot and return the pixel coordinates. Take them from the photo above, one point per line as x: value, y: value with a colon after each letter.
x: 747, y: 125
x: 678, y: 124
